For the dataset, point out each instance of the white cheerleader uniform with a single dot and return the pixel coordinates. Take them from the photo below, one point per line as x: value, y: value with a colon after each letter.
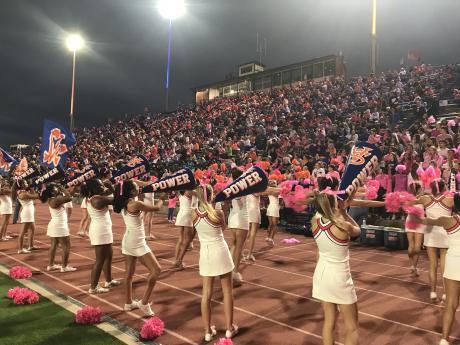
x: 254, y: 209
x: 239, y: 217
x: 332, y: 280
x: 149, y: 198
x: 6, y: 205
x: 100, y: 229
x: 273, y: 209
x: 215, y: 257
x: 436, y: 236
x: 27, y: 211
x: 83, y: 203
x: 184, y: 216
x: 68, y: 204
x: 134, y: 243
x: 421, y: 228
x: 58, y: 226
x: 451, y: 270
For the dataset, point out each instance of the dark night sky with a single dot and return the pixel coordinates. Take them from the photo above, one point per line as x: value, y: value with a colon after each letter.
x: 122, y: 68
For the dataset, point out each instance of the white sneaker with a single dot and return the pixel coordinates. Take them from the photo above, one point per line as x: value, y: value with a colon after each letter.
x: 24, y: 251
x: 145, y: 308
x: 252, y: 258
x: 231, y: 333
x: 209, y: 336
x: 443, y: 342
x: 132, y: 306
x: 112, y: 283
x: 433, y: 296
x: 444, y: 297
x: 54, y: 267
x: 68, y: 269
x: 98, y: 290
x: 8, y: 237
x: 237, y: 278
x: 270, y: 242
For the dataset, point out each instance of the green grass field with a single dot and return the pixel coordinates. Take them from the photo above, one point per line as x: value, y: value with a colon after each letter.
x: 43, y: 323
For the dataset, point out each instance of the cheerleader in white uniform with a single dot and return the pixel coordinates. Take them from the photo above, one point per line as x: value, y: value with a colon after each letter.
x: 149, y: 200
x: 134, y: 244
x: 436, y: 205
x: 68, y: 208
x: 451, y: 225
x: 58, y: 227
x: 100, y: 233
x: 85, y: 220
x: 415, y: 236
x: 238, y: 223
x: 184, y: 222
x: 6, y: 209
x: 332, y: 283
x: 273, y: 213
x: 215, y: 260
x: 254, y: 223
x: 26, y: 198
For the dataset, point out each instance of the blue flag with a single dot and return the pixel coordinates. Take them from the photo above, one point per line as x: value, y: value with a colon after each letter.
x: 56, y: 142
x: 6, y: 161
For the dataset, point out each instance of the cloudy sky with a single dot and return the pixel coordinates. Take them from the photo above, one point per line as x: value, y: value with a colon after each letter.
x: 123, y: 66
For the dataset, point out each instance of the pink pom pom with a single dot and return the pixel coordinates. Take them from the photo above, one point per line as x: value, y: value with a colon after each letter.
x: 411, y: 222
x: 373, y: 183
x: 152, y: 328
x: 219, y: 186
x: 457, y: 177
x: 392, y: 202
x: 20, y: 272
x: 88, y: 315
x: 224, y: 341
x: 420, y: 171
x: 431, y: 120
x: 451, y: 123
x: 371, y: 193
x: 400, y: 168
x: 21, y: 296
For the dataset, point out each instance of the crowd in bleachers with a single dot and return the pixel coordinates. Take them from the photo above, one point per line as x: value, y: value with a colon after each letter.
x: 308, y: 127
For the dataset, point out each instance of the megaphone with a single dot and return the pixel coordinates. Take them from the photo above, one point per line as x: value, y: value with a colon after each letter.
x: 138, y: 165
x: 363, y: 159
x: 253, y: 180
x: 183, y: 179
x: 90, y: 171
x: 29, y: 173
x: 52, y: 175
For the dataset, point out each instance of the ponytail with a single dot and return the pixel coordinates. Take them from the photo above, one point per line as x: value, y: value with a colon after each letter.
x: 123, y: 192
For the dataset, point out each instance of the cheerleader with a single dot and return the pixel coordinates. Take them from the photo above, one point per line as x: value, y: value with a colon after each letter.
x: 6, y: 209
x: 332, y: 283
x: 58, y: 227
x: 436, y: 205
x: 100, y: 233
x: 415, y: 236
x: 238, y: 223
x: 149, y: 200
x: 451, y: 225
x: 254, y: 223
x: 85, y: 220
x: 26, y: 199
x: 106, y: 174
x: 184, y: 222
x: 134, y: 244
x: 215, y: 260
x: 273, y: 214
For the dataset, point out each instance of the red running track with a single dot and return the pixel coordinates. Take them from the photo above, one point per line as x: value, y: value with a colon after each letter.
x: 274, y: 305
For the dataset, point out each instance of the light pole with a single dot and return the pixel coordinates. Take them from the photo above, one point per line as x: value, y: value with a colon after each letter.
x: 74, y: 43
x: 374, y: 37
x: 170, y: 9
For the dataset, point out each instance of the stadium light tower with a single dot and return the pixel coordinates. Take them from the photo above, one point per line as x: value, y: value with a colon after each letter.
x: 74, y: 43
x: 170, y: 9
x: 374, y: 37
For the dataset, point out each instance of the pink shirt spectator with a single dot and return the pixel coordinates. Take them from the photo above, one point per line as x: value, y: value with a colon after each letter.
x: 385, y: 182
x: 400, y: 183
x: 172, y: 202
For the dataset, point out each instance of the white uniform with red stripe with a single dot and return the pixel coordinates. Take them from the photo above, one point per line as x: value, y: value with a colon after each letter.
x: 239, y: 217
x: 436, y: 236
x: 254, y: 209
x: 100, y: 229
x: 134, y: 243
x: 332, y: 280
x: 451, y: 270
x: 6, y: 204
x: 27, y: 210
x: 58, y: 226
x: 215, y: 257
x: 184, y: 216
